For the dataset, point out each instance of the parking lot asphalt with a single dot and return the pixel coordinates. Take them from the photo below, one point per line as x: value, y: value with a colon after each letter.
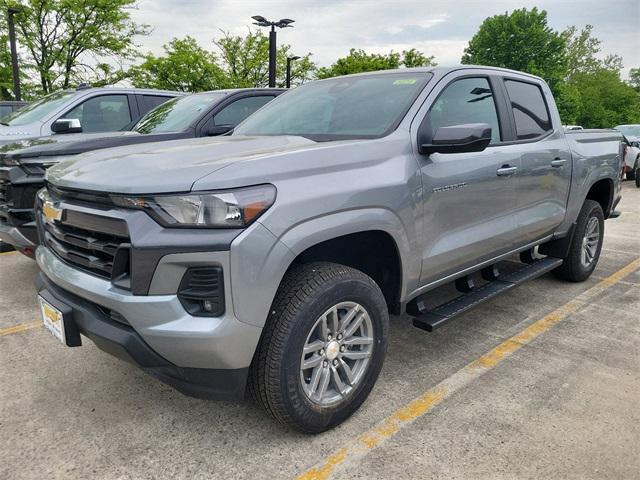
x: 540, y: 382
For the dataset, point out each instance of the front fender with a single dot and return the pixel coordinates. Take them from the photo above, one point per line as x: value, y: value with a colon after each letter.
x: 259, y: 260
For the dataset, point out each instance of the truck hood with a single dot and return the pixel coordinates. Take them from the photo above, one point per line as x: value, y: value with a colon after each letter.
x: 47, y: 148
x: 172, y: 166
x: 11, y: 134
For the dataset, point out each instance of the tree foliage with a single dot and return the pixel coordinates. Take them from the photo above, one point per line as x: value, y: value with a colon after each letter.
x: 245, y: 61
x: 185, y: 67
x: 634, y: 78
x: 359, y: 61
x: 520, y: 40
x: 63, y: 38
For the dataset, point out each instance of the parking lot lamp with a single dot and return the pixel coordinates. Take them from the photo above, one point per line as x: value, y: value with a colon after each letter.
x: 289, y: 60
x: 282, y: 23
x: 14, y: 53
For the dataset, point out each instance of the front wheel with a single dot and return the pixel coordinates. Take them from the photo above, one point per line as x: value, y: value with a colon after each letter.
x: 586, y: 244
x: 322, y: 348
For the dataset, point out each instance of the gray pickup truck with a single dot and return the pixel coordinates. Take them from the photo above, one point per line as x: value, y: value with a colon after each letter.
x: 268, y: 261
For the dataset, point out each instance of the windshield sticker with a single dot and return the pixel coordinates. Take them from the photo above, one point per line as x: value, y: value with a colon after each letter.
x: 405, y: 81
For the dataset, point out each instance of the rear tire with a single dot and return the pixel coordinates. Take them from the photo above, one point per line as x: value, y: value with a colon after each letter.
x: 586, y: 244
x: 319, y: 397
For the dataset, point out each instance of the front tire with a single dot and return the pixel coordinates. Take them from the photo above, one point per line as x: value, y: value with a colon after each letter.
x: 586, y: 244
x: 322, y: 348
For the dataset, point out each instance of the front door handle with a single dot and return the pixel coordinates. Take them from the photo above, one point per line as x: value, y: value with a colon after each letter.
x: 558, y: 162
x: 506, y: 170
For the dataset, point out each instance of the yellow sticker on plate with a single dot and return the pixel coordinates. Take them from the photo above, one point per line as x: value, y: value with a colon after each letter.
x: 405, y: 81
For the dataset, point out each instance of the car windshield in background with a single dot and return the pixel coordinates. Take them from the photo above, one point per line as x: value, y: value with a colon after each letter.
x: 38, y: 111
x: 366, y: 106
x: 629, y: 130
x: 177, y: 114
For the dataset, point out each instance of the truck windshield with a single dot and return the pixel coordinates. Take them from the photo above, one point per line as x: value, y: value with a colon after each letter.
x: 629, y: 130
x: 364, y: 106
x: 177, y: 114
x: 38, y: 111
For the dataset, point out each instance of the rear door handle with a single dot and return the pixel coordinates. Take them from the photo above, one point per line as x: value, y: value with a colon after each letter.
x: 506, y: 170
x: 558, y: 162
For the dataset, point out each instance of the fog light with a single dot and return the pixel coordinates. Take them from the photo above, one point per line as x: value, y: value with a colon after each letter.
x: 201, y: 291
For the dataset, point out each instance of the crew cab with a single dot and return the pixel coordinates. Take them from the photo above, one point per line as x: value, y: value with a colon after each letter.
x: 23, y: 164
x: 269, y: 260
x: 83, y: 110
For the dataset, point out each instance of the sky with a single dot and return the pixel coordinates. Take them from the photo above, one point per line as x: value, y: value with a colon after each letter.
x: 329, y: 28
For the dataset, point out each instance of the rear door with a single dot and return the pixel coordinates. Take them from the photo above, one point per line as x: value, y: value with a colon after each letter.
x: 544, y: 177
x: 469, y: 198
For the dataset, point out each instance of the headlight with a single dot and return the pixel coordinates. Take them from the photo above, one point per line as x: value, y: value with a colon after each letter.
x: 223, y: 209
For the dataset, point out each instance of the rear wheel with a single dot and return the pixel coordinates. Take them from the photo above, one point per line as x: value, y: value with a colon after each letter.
x: 586, y: 245
x: 322, y: 348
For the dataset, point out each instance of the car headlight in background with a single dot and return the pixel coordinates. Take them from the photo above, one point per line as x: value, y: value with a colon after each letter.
x: 223, y: 209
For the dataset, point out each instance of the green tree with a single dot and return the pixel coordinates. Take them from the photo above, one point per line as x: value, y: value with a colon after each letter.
x: 604, y: 99
x: 58, y: 36
x: 359, y: 61
x: 582, y: 52
x: 245, y: 61
x: 185, y: 67
x: 520, y: 40
x: 634, y: 78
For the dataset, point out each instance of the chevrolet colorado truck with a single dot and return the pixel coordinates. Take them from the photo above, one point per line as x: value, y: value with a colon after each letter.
x: 268, y: 261
x: 23, y: 164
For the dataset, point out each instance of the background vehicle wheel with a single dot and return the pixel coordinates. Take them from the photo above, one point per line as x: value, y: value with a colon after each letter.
x: 322, y: 347
x: 5, y: 247
x: 585, y: 246
x: 631, y: 174
x: 638, y: 177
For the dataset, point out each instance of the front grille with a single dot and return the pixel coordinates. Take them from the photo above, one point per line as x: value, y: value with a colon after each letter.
x: 4, y: 191
x: 90, y: 242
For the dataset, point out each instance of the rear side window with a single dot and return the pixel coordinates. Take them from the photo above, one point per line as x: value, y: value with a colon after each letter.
x: 529, y: 109
x: 468, y: 100
x: 149, y: 102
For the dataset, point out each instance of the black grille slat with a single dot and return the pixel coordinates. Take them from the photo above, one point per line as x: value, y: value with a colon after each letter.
x: 90, y: 242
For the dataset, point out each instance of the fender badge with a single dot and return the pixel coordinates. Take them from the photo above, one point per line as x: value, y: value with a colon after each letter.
x: 446, y: 188
x: 51, y: 212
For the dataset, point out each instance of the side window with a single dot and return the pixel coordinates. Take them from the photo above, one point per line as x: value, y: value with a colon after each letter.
x: 5, y: 110
x: 236, y: 112
x: 106, y: 113
x: 468, y: 100
x: 149, y: 102
x: 529, y: 109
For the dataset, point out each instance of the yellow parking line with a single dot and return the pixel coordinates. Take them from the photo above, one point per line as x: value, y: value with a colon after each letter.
x: 363, y: 444
x: 20, y: 328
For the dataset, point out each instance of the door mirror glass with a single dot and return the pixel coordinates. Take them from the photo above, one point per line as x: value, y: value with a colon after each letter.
x: 469, y: 137
x: 215, y: 130
x: 66, y: 125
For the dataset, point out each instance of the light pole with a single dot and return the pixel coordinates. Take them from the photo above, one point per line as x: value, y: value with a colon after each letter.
x: 263, y: 22
x: 289, y: 60
x: 14, y: 53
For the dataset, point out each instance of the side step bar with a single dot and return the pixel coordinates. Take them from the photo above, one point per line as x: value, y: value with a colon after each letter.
x: 432, y: 319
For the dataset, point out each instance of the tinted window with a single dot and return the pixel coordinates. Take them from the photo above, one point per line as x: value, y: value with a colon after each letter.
x: 468, y: 100
x: 366, y: 106
x: 236, y: 112
x: 5, y: 110
x: 529, y: 109
x: 177, y: 114
x: 106, y: 113
x: 149, y: 102
x: 40, y: 110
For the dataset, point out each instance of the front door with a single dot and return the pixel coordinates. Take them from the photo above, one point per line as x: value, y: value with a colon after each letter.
x: 470, y: 200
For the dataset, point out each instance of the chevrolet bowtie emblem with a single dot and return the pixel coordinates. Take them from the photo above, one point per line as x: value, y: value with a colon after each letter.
x: 51, y: 212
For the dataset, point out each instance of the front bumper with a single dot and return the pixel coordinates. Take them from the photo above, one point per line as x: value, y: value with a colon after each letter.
x: 14, y: 236
x: 191, y: 353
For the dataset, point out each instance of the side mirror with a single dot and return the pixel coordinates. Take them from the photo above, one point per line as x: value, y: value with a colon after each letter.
x: 66, y: 125
x: 216, y: 130
x: 469, y: 137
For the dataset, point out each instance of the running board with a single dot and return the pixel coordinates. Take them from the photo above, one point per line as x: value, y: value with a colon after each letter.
x: 432, y: 319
